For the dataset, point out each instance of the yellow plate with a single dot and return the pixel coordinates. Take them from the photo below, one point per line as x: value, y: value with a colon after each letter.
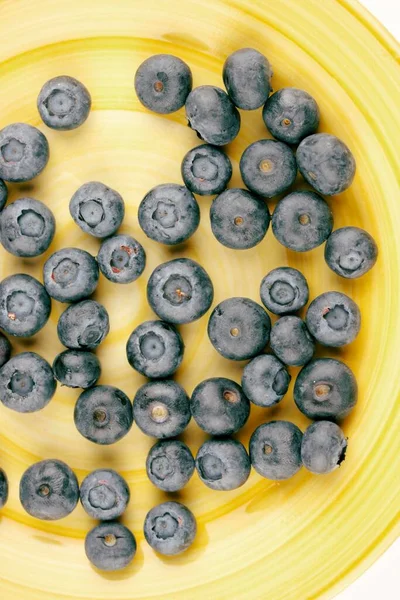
x: 302, y: 539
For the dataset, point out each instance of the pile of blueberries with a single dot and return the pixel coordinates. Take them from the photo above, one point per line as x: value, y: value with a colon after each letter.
x: 180, y: 291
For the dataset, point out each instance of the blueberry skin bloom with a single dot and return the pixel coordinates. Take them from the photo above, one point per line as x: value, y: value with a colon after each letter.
x: 155, y: 349
x: 103, y: 414
x: 64, y: 103
x: 3, y: 489
x: 239, y: 328
x: 325, y: 389
x: 333, y: 319
x: 49, y: 490
x: 239, y: 219
x: 161, y: 409
x: 170, y: 465
x: 5, y: 349
x: 291, y: 115
x: 223, y: 464
x: 83, y: 326
x: 24, y: 305
x: 350, y: 252
x: 170, y: 528
x: 323, y: 448
x: 121, y: 259
x: 24, y: 152
x: 265, y: 380
x: 219, y: 406
x: 275, y: 450
x: 27, y: 227
x: 169, y: 214
x: 97, y: 209
x: 284, y: 290
x: 326, y: 163
x: 291, y: 341
x: 77, y: 368
x: 247, y: 74
x: 180, y: 291
x: 212, y: 115
x: 70, y: 275
x: 3, y: 194
x: 104, y: 494
x: 302, y: 221
x: 110, y: 546
x: 206, y: 170
x: 162, y: 83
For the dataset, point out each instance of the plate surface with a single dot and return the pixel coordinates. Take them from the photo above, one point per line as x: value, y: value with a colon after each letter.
x: 302, y: 539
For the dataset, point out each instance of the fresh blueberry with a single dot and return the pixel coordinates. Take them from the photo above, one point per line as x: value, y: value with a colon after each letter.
x: 103, y: 414
x: 121, y: 259
x: 5, y: 349
x: 77, y: 368
x: 24, y: 152
x: 302, y: 221
x: 325, y: 389
x: 70, y: 275
x: 64, y: 103
x: 169, y: 214
x: 3, y: 488
x: 326, y: 163
x: 24, y: 305
x: 239, y: 219
x: 212, y: 115
x: 104, y: 494
x: 265, y: 380
x: 247, y: 75
x: 350, y: 252
x: 290, y: 115
x: 206, y: 170
x: 83, y: 326
x: 291, y: 341
x: 223, y: 464
x: 97, y: 209
x: 275, y: 450
x: 169, y: 465
x: 180, y: 291
x: 49, y: 490
x: 323, y: 448
x: 27, y: 227
x: 161, y: 409
x: 333, y: 319
x: 163, y: 82
x: 239, y: 328
x: 4, y: 194
x: 170, y: 528
x: 155, y: 349
x: 284, y: 290
x: 219, y: 406
x: 110, y: 546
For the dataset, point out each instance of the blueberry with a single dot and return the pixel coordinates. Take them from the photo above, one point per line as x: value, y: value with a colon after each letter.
x: 163, y: 82
x: 70, y: 275
x: 323, y: 448
x: 219, y: 406
x: 350, y: 252
x: 24, y: 305
x: 121, y: 259
x: 290, y: 115
x: 5, y: 349
x: 247, y: 75
x: 77, y: 368
x: 291, y: 341
x: 161, y: 409
x: 275, y: 450
x: 180, y: 291
x: 4, y: 194
x: 333, y: 319
x: 104, y: 494
x: 206, y: 170
x: 97, y: 209
x: 155, y: 349
x: 325, y: 389
x: 27, y: 227
x: 302, y: 221
x: 3, y: 488
x: 103, y: 414
x: 49, y: 490
x: 268, y: 167
x: 169, y: 214
x: 110, y: 546
x: 284, y: 290
x: 223, y: 464
x: 24, y: 152
x: 265, y: 380
x: 169, y: 465
x: 326, y: 163
x: 239, y: 219
x: 64, y: 103
x: 170, y: 528
x: 83, y: 326
x: 239, y: 328
x: 212, y: 115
